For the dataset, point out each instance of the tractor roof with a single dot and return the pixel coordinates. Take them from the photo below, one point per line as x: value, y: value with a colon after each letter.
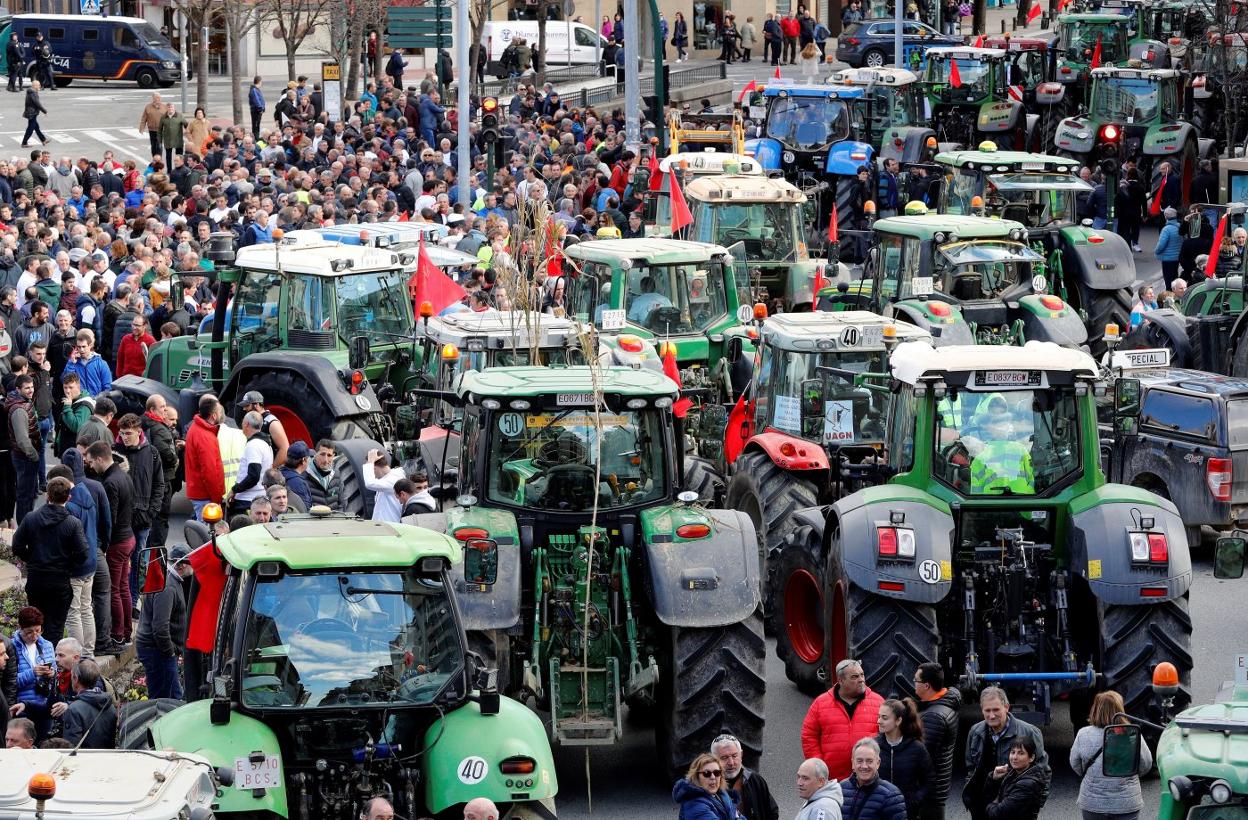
x: 848, y: 92
x: 1136, y: 73
x: 316, y: 258
x: 711, y: 162
x: 849, y: 331
x: 1093, y: 17
x: 878, y: 76
x: 1016, y: 43
x: 326, y: 542
x: 911, y: 361
x: 514, y: 382
x: 732, y: 188
x: 649, y: 250
x: 381, y: 234
x: 965, y: 227
x: 498, y: 329
x: 1006, y: 161
x: 1210, y: 740
x: 963, y: 53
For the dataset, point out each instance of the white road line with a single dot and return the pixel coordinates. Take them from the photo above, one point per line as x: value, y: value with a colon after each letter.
x: 61, y: 136
x: 105, y: 138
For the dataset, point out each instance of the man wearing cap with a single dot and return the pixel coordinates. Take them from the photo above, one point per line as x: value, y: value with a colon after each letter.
x: 162, y: 627
x: 294, y: 470
x: 272, y: 427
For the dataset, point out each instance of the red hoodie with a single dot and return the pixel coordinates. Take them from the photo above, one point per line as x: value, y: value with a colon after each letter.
x: 132, y: 354
x: 205, y: 474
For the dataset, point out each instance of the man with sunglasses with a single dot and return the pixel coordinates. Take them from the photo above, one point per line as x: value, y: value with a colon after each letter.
x: 750, y: 791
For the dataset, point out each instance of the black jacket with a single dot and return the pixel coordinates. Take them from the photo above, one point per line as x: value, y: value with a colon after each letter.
x: 756, y: 801
x: 91, y: 715
x: 51, y: 542
x: 34, y: 107
x: 1020, y: 795
x: 940, y: 738
x: 161, y: 437
x: 1204, y: 188
x: 908, y: 767
x: 325, y: 489
x: 148, y: 481
x: 8, y: 678
x: 120, y: 501
x: 162, y: 620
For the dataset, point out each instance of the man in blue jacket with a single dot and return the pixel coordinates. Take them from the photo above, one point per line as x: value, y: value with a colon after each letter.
x: 1169, y: 247
x: 431, y: 115
x: 80, y: 622
x: 255, y: 101
x: 867, y: 796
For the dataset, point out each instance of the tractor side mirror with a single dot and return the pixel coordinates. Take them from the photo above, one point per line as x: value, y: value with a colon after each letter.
x: 359, y: 353
x: 481, y: 561
x: 153, y: 560
x: 1228, y: 558
x: 1127, y: 397
x: 1121, y: 755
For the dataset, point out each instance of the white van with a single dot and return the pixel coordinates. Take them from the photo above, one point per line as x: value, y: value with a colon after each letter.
x: 498, y: 34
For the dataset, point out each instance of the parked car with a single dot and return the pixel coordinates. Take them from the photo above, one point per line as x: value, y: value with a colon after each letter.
x: 870, y: 43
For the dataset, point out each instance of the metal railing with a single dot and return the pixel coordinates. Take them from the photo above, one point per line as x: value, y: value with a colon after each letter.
x: 557, y: 76
x: 679, y: 78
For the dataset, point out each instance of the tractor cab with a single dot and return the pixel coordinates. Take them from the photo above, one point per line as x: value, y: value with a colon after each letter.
x: 403, y: 238
x: 688, y: 166
x: 967, y: 89
x: 1087, y: 41
x: 897, y: 122
x: 1037, y: 190
x: 1032, y: 68
x: 813, y: 131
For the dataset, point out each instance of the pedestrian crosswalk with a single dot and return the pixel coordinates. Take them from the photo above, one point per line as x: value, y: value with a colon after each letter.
x: 69, y: 136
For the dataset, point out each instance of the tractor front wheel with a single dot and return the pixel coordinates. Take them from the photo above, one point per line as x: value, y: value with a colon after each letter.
x: 713, y: 681
x: 1103, y: 307
x: 134, y: 718
x: 798, y: 611
x: 1137, y: 638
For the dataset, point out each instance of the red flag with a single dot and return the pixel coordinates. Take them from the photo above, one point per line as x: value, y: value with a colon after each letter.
x: 740, y: 428
x: 979, y: 41
x: 777, y: 73
x: 750, y: 86
x: 955, y: 76
x: 682, y: 405
x: 680, y: 209
x: 819, y: 281
x: 1096, y: 53
x: 834, y: 226
x: 1033, y: 12
x: 1061, y: 4
x: 429, y: 284
x: 656, y: 178
x: 1211, y: 266
x: 1154, y: 207
x: 154, y: 581
x: 404, y: 217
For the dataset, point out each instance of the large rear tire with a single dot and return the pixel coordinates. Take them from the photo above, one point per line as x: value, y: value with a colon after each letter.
x: 298, y: 405
x: 769, y: 496
x: 350, y: 465
x: 1137, y: 638
x: 135, y: 717
x: 797, y: 617
x: 702, y: 478
x: 713, y: 681
x: 1103, y: 307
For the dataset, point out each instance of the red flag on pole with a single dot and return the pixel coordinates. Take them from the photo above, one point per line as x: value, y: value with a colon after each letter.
x: 740, y: 428
x: 979, y: 41
x: 430, y: 284
x: 777, y: 73
x: 833, y: 226
x: 1211, y: 266
x: 1096, y: 53
x: 681, y: 216
x: 955, y: 76
x: 1154, y: 207
x: 682, y: 405
x: 1062, y: 4
x: 1033, y: 12
x: 750, y: 86
x: 656, y: 178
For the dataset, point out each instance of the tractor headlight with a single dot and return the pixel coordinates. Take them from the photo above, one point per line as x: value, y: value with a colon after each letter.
x: 1220, y: 791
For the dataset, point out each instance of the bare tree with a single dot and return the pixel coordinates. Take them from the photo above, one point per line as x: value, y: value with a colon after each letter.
x: 293, y: 21
x: 198, y: 15
x: 241, y: 17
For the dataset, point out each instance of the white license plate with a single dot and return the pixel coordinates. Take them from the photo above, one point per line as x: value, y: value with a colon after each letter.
x: 613, y: 319
x: 1032, y: 166
x: 873, y: 335
x: 1004, y: 378
x: 573, y: 399
x: 264, y: 774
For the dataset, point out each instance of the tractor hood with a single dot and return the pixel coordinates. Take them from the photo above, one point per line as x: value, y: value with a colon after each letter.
x: 1206, y: 743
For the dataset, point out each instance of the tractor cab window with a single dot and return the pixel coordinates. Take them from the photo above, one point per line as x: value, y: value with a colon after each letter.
x: 254, y: 311
x: 568, y: 460
x: 901, y: 428
x: 893, y: 107
x: 975, y: 78
x: 899, y: 266
x: 680, y: 299
x: 1126, y: 99
x: 807, y: 123
x: 583, y: 292
x: 311, y: 307
x: 961, y: 188
x: 1078, y: 38
x: 1026, y: 69
x: 1020, y: 442
x: 1034, y: 199
x: 374, y: 303
x: 348, y: 639
x: 770, y: 231
x: 970, y: 271
x: 823, y: 407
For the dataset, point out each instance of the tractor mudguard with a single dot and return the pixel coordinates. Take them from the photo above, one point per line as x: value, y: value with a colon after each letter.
x: 1207, y: 148
x: 1075, y: 136
x: 845, y: 158
x: 1171, y: 323
x: 913, y: 147
x: 1100, y: 258
x: 799, y: 287
x: 498, y: 606
x: 950, y: 330
x: 766, y: 151
x: 189, y: 729
x: 701, y: 582
x: 928, y: 578
x: 130, y: 394
x: 1043, y: 325
x: 1100, y: 546
x: 1050, y: 94
x: 464, y: 750
x: 807, y: 455
x: 1165, y: 140
x: 317, y: 371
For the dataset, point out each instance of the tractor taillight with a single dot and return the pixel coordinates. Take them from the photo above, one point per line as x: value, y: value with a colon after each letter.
x: 693, y: 530
x: 471, y: 533
x: 1218, y: 476
x: 939, y: 309
x: 1109, y: 132
x: 1158, y: 550
x: 518, y: 765
x: 895, y: 542
x: 1052, y: 302
x: 357, y: 382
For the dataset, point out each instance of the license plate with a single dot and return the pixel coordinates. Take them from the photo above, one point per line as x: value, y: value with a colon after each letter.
x: 263, y: 774
x: 873, y: 335
x: 573, y: 399
x: 613, y: 319
x: 1006, y: 378
x: 1032, y: 166
x: 1155, y: 357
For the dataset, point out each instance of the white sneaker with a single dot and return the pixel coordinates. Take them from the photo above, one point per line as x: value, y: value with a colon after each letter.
x: 1137, y: 248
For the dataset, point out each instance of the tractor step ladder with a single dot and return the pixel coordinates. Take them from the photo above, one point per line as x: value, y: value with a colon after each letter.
x: 597, y: 725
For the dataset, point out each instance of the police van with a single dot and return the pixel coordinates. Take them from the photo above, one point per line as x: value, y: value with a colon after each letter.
x: 88, y: 47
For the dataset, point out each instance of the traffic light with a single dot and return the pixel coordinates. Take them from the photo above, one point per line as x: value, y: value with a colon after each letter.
x: 489, y: 123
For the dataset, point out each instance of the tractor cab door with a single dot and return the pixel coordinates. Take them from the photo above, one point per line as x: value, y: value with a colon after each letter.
x: 254, y: 322
x: 748, y: 292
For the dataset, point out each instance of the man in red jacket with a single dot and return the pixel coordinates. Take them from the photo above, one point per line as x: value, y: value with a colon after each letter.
x: 205, y: 474
x: 839, y: 718
x: 791, y: 28
x: 132, y: 353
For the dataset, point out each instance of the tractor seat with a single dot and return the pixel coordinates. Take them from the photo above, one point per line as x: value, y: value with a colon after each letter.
x: 1018, y: 212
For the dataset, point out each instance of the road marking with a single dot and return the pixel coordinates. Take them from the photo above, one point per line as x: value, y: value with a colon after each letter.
x: 61, y: 136
x: 104, y: 137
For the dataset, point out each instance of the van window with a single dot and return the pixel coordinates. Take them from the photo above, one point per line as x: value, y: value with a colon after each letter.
x: 125, y: 39
x: 56, y: 33
x: 30, y: 32
x: 585, y: 37
x: 90, y: 35
x: 1175, y: 413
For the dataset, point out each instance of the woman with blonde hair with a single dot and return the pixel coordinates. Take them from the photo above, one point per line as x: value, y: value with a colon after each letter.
x: 1101, y: 797
x: 810, y: 60
x: 701, y: 793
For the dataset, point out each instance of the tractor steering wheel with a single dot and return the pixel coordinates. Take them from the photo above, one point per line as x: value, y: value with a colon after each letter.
x: 326, y: 625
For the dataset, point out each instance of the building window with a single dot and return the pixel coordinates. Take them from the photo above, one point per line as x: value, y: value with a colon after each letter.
x: 707, y: 19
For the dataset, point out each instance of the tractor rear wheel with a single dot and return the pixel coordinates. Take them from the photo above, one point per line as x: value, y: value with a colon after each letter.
x: 769, y: 496
x: 1134, y: 639
x: 1239, y: 359
x: 299, y: 407
x: 702, y: 477
x: 1103, y: 307
x: 797, y: 617
x: 713, y: 681
x: 134, y: 717
x: 888, y: 636
x: 350, y: 465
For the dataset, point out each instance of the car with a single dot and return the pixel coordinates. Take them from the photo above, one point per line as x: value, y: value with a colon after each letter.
x: 870, y: 42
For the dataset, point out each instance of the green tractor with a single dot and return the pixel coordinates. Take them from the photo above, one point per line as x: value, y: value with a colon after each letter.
x: 997, y: 547
x: 1093, y: 270
x: 963, y: 279
x: 1078, y: 37
x: 341, y: 671
x: 806, y: 434
x: 895, y: 112
x: 969, y: 97
x: 617, y: 588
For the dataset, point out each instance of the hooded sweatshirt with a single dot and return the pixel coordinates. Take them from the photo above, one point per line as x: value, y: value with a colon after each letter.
x: 824, y: 804
x: 72, y: 459
x: 62, y: 181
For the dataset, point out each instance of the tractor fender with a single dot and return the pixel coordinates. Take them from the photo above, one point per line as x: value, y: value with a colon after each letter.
x: 130, y: 394
x: 484, y: 608
x: 189, y: 729
x: 1207, y: 148
x: 944, y: 333
x: 1074, y: 136
x: 845, y: 158
x: 460, y: 740
x: 913, y: 144
x: 766, y: 151
x: 1100, y: 546
x: 1159, y: 143
x: 1174, y: 325
x: 1050, y: 94
x: 1100, y: 258
x: 996, y: 117
x: 317, y: 371
x: 808, y: 455
x: 799, y: 286
x: 1042, y: 325
x: 701, y: 582
x: 859, y: 516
